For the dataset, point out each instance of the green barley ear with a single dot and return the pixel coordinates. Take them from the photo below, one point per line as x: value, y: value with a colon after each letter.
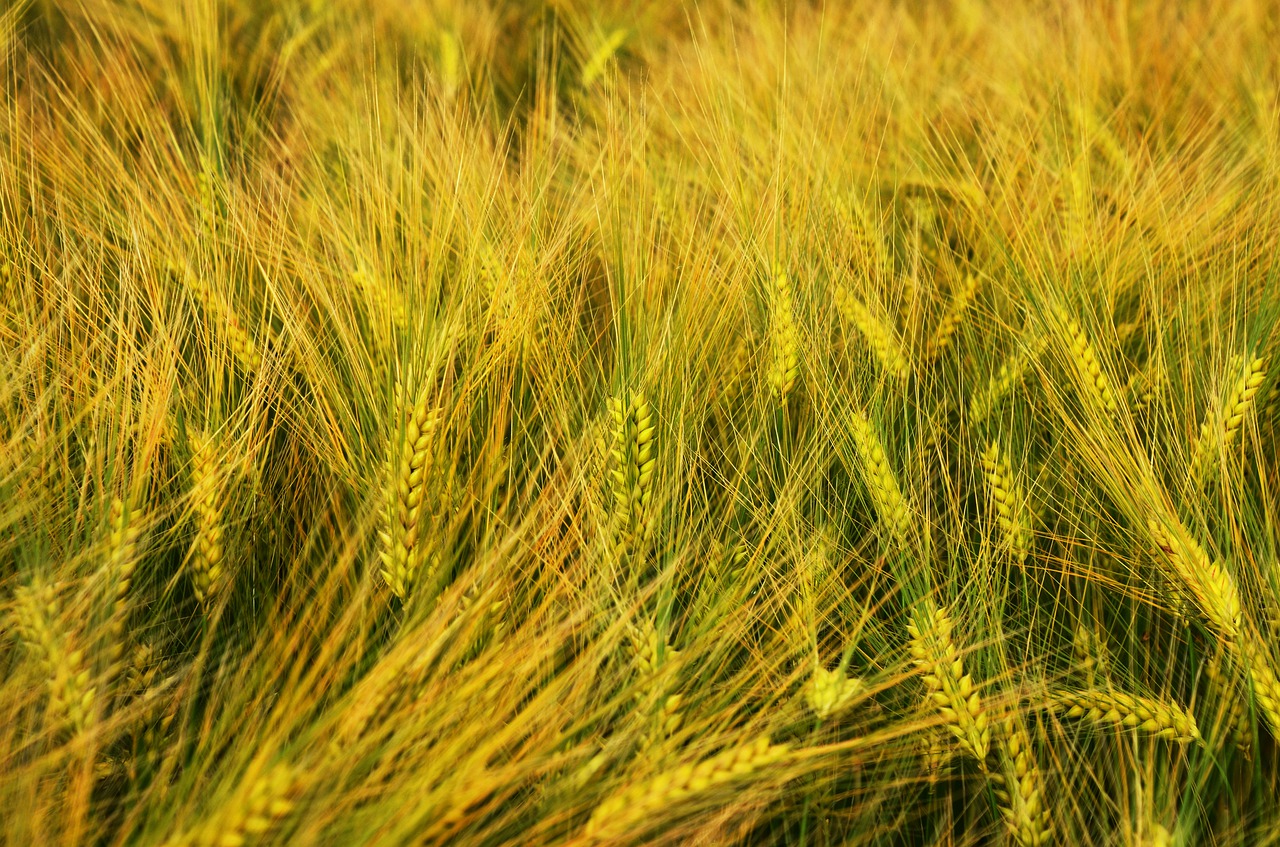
x: 1085, y: 358
x: 1266, y: 687
x: 1226, y: 690
x: 225, y: 321
x: 122, y: 560
x: 1019, y: 788
x: 953, y: 316
x: 879, y: 335
x: 1146, y: 385
x: 829, y: 693
x: 784, y: 339
x: 894, y: 510
x: 947, y: 687
x: 1012, y: 510
x: 252, y: 814
x: 599, y: 59
x: 401, y: 551
x: 632, y: 472
x: 1211, y: 587
x: 206, y: 558
x: 384, y: 303
x: 1090, y: 658
x: 627, y: 811
x: 1220, y: 427
x: 37, y: 621
x: 649, y: 650
x: 1116, y: 708
x: 1010, y: 374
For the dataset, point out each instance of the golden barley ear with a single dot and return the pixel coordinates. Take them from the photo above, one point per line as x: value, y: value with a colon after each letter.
x: 1013, y: 514
x: 948, y: 688
x: 883, y: 340
x: 38, y: 623
x: 408, y: 505
x: 784, y: 339
x: 1009, y: 375
x: 257, y: 808
x: 225, y: 321
x: 1019, y: 787
x: 1084, y: 356
x: 122, y: 560
x: 627, y: 811
x: 1222, y: 425
x: 631, y: 474
x: 830, y: 693
x: 953, y: 317
x: 1118, y: 709
x: 206, y: 559
x: 896, y: 513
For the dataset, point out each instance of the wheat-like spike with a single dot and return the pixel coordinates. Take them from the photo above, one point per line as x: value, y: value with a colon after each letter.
x: 384, y: 302
x: 450, y: 52
x: 649, y: 650
x: 206, y: 561
x: 122, y: 544
x: 1266, y: 687
x: 142, y: 671
x: 237, y: 340
x: 1019, y: 788
x: 1146, y: 385
x: 1091, y: 659
x: 1010, y: 502
x: 1120, y: 709
x: 1235, y: 708
x: 953, y: 316
x: 666, y: 722
x: 733, y: 379
x: 257, y: 809
x: 1078, y: 206
x: 632, y: 473
x: 1085, y: 357
x: 895, y: 512
x: 868, y: 248
x: 935, y: 752
x: 882, y: 339
x: 948, y: 688
x: 1211, y: 586
x: 630, y: 808
x: 1220, y: 428
x: 402, y: 552
x: 36, y: 620
x: 829, y: 693
x: 784, y: 339
x: 599, y: 59
x: 1010, y: 374
x: 490, y: 626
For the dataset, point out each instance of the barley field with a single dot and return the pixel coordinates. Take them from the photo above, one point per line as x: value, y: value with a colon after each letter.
x: 555, y: 422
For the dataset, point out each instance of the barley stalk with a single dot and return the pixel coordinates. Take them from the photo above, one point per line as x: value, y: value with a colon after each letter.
x: 629, y: 809
x: 1117, y: 708
x: 947, y: 687
x: 1012, y: 511
x: 784, y: 339
x: 880, y: 337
